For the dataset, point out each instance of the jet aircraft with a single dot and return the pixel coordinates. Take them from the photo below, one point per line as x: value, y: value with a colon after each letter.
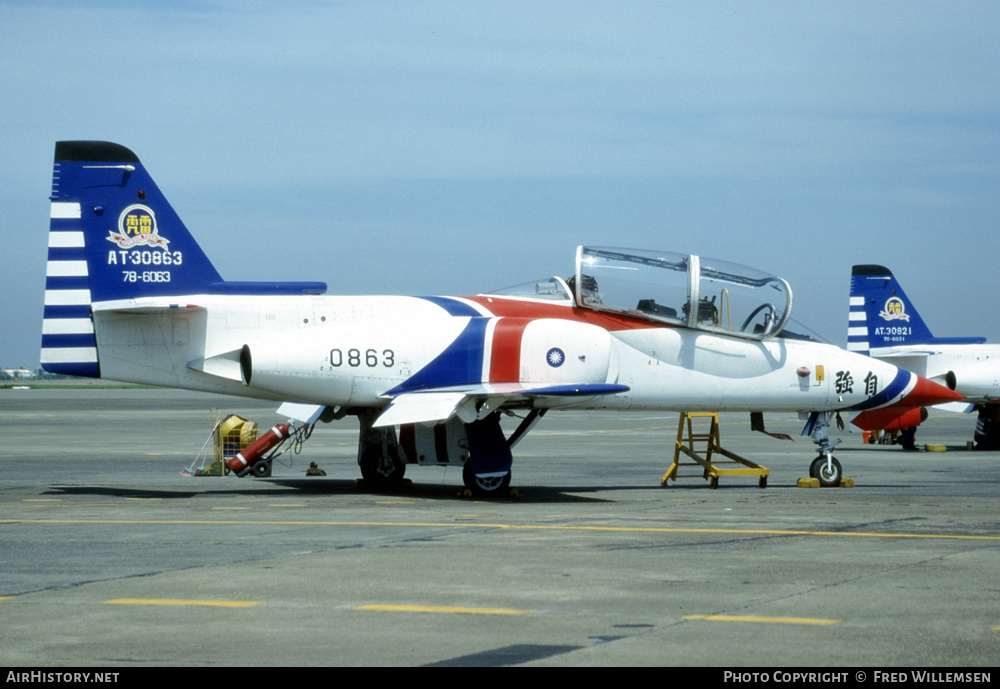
x: 884, y: 324
x: 130, y: 296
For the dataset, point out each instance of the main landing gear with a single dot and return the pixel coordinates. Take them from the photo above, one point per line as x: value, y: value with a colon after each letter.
x: 483, y: 486
x: 479, y: 446
x: 380, y: 457
x: 486, y: 473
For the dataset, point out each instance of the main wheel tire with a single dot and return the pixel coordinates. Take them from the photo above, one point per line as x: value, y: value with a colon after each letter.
x: 485, y: 485
x: 828, y: 475
x: 380, y: 471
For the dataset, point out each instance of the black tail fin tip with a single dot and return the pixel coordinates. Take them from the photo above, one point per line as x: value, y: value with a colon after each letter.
x: 93, y: 152
x: 870, y: 269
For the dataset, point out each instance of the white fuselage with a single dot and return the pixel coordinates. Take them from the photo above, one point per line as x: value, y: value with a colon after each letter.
x: 360, y: 351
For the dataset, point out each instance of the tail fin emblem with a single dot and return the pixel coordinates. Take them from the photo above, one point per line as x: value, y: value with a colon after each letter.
x: 137, y: 227
x: 894, y: 310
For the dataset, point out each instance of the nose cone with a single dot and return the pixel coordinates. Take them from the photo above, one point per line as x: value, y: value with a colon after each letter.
x: 903, y: 413
x: 927, y: 393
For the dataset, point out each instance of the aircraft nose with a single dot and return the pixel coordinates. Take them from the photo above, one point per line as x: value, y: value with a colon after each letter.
x: 927, y: 393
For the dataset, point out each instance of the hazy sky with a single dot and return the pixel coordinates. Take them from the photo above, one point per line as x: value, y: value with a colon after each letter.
x: 454, y: 147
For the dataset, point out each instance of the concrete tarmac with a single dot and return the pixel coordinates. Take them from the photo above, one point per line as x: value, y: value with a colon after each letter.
x: 110, y: 558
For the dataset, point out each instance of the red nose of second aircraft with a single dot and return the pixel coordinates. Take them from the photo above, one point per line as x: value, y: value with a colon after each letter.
x: 906, y: 412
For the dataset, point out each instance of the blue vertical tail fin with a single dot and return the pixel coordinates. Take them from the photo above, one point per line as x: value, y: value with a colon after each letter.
x: 881, y: 315
x: 135, y: 245
x: 113, y: 237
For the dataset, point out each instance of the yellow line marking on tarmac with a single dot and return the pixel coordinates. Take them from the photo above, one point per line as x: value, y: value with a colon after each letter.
x: 493, y: 525
x: 180, y: 601
x: 606, y: 431
x: 444, y: 608
x: 231, y: 508
x: 755, y: 618
x: 6, y: 597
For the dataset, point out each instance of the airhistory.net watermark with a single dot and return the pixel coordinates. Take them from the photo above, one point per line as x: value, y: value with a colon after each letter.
x: 44, y: 677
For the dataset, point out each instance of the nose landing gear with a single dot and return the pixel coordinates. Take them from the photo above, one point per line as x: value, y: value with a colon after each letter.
x: 825, y: 468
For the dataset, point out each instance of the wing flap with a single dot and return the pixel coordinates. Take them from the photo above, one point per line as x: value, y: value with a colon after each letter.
x: 420, y: 407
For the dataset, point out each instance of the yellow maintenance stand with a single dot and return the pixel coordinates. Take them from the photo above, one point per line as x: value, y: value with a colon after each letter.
x: 710, y: 467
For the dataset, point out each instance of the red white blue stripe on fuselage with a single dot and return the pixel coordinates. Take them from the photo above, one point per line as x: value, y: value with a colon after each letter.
x: 489, y: 348
x: 901, y: 385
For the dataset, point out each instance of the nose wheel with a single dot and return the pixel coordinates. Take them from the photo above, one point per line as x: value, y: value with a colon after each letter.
x: 827, y: 470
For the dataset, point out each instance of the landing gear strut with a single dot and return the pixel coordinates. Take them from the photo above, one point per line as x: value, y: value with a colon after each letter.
x: 487, y: 471
x: 379, y: 454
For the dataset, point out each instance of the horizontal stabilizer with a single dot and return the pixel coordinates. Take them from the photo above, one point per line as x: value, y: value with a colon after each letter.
x: 244, y: 289
x: 956, y: 407
x: 897, y: 357
x: 148, y: 309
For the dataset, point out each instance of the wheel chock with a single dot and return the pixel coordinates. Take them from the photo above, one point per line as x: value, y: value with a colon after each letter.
x: 512, y: 493
x: 814, y: 483
x: 934, y: 447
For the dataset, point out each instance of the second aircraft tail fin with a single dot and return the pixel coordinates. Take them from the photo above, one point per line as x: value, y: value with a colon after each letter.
x: 882, y: 316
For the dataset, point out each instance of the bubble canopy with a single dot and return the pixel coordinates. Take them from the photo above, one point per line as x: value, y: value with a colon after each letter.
x: 683, y: 289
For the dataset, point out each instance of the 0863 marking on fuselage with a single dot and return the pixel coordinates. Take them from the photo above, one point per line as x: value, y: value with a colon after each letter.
x: 372, y: 358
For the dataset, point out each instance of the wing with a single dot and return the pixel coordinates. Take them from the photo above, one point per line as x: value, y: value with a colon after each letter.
x: 474, y: 401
